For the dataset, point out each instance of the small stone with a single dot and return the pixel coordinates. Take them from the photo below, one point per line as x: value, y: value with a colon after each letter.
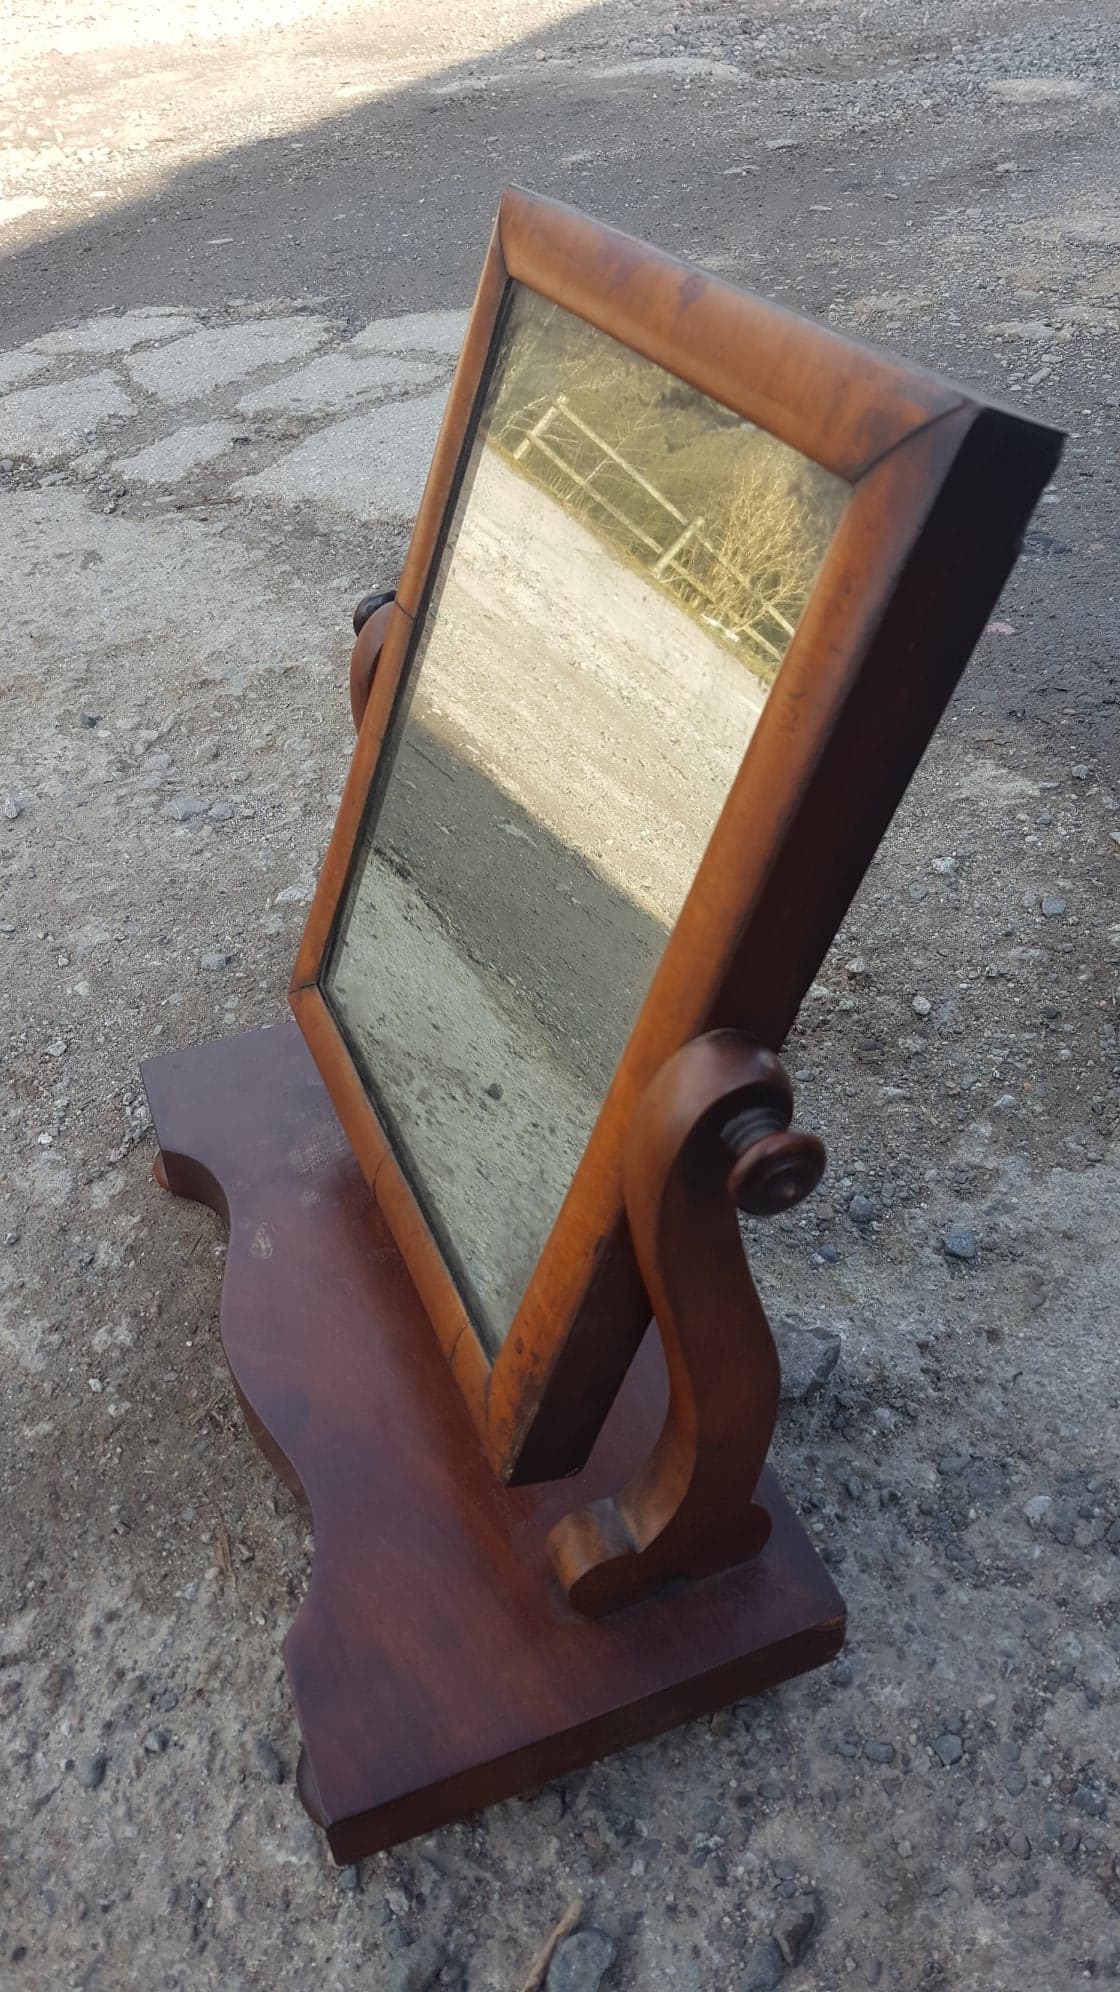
x: 842, y: 1674
x: 220, y: 812
x: 1090, y: 1802
x: 1037, y: 1509
x: 861, y: 1210
x: 215, y: 959
x: 1080, y: 773
x: 90, y: 720
x: 182, y: 808
x: 1061, y: 1521
x: 580, y: 1962
x: 12, y: 808
x: 493, y: 1090
x: 1015, y: 1782
x: 945, y: 867
x: 959, y: 1242
x: 878, y: 1753
x: 950, y: 1749
x: 91, y: 1770
x: 268, y: 1761
x: 794, y: 1927
x: 857, y: 967
x: 1019, y: 1845
x: 765, y: 1968
x: 350, y: 1879
x: 1053, y: 906
x: 921, y: 1006
x: 156, y: 1742
x: 420, y: 1966
x: 808, y: 1357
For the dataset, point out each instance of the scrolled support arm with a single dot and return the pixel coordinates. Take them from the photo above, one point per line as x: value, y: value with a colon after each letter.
x: 711, y: 1136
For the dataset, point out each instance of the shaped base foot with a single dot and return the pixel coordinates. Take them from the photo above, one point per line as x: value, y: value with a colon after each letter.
x: 435, y: 1664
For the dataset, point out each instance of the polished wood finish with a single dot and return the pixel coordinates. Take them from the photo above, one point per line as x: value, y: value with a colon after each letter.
x: 710, y: 1136
x: 371, y: 633
x: 943, y: 483
x: 434, y: 1662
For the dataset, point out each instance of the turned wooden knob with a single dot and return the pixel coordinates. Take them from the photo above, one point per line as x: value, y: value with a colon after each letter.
x: 774, y: 1166
x: 371, y: 626
x: 776, y: 1173
x: 378, y: 598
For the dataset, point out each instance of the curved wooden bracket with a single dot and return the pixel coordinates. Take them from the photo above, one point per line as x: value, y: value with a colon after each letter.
x: 711, y: 1135
x: 371, y: 626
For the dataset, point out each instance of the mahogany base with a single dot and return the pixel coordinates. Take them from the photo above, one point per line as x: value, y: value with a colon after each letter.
x: 434, y: 1663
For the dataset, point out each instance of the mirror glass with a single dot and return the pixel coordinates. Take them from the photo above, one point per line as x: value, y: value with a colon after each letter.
x: 620, y: 576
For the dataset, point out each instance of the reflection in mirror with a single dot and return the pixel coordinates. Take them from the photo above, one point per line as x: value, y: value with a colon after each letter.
x: 624, y: 567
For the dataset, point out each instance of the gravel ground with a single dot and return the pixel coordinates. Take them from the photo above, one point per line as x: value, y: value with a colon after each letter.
x: 211, y: 440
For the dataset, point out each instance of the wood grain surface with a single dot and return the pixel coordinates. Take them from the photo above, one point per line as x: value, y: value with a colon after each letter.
x: 434, y: 1663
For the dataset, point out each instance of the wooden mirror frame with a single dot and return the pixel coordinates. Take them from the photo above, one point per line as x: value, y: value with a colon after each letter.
x: 943, y: 483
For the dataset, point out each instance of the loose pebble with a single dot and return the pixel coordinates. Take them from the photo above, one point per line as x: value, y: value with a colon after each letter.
x: 950, y: 1749
x: 268, y: 1761
x: 764, y: 1970
x: 794, y: 1928
x: 960, y: 1243
x: 91, y: 1770
x: 808, y: 1357
x: 580, y: 1962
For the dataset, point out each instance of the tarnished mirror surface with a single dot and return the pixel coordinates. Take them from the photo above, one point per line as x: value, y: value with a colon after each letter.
x: 622, y: 571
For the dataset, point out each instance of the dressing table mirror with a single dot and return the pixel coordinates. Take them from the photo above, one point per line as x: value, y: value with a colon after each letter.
x: 691, y: 583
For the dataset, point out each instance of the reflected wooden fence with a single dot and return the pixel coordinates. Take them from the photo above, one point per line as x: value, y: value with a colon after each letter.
x: 677, y: 557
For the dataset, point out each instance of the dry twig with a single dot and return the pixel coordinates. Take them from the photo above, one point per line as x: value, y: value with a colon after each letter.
x: 551, y: 1944
x: 221, y: 1544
